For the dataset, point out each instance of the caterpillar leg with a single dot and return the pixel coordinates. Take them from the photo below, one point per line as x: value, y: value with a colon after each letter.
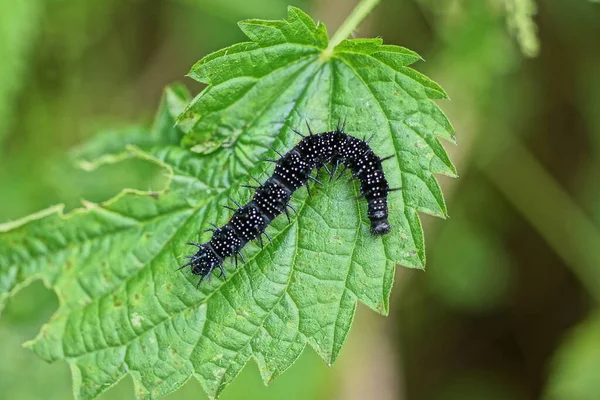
x: 241, y: 256
x: 335, y: 167
x: 312, y: 178
x: 309, y: 130
x: 292, y: 207
x: 268, y: 237
x: 342, y: 173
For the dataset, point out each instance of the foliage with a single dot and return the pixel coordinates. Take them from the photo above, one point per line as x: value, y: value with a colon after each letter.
x: 123, y: 309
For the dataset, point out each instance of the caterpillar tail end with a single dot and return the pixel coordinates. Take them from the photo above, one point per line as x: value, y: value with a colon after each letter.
x: 380, y: 227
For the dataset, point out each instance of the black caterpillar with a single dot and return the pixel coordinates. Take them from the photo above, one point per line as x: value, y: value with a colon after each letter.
x: 292, y: 171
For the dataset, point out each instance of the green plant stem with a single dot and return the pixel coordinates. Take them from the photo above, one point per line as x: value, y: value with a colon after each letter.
x: 548, y: 208
x: 359, y: 13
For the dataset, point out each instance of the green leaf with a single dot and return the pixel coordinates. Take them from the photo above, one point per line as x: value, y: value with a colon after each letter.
x: 123, y: 307
x: 259, y: 91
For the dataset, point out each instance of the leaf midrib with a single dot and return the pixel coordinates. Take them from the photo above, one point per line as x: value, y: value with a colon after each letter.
x: 303, y: 204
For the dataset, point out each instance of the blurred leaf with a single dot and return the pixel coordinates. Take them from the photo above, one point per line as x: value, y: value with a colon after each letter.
x: 470, y: 269
x: 589, y: 185
x: 111, y: 145
x: 477, y: 385
x: 574, y: 373
x: 519, y: 17
x: 235, y: 9
x: 26, y: 377
x: 123, y: 308
x: 78, y: 25
x: 19, y: 24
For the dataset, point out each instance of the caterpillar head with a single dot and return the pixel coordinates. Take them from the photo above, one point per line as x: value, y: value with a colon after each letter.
x: 204, y: 261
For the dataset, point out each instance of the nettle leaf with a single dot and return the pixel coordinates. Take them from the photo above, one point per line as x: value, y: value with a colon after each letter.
x: 123, y: 307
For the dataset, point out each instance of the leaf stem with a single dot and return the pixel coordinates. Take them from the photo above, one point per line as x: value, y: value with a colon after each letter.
x: 548, y: 208
x: 359, y: 13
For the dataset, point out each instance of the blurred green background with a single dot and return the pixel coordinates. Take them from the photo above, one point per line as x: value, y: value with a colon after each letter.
x: 508, y: 308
